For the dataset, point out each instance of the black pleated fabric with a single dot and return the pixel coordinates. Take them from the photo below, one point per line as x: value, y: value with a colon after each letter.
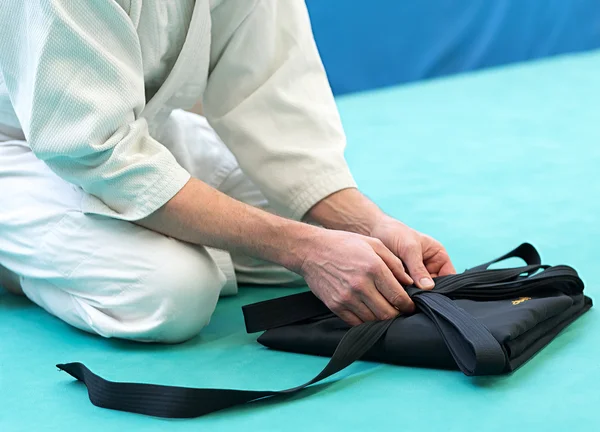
x: 483, y: 322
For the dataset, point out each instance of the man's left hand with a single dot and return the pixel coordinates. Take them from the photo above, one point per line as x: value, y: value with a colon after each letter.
x: 423, y: 256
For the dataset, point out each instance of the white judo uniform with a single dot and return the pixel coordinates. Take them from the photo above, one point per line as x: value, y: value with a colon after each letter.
x: 93, y: 136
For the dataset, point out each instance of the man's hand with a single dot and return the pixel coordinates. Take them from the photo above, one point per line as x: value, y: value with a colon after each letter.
x: 349, y: 210
x: 423, y: 256
x: 356, y: 276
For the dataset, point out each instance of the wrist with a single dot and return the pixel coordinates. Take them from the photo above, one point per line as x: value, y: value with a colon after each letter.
x: 347, y: 210
x: 369, y: 221
x: 302, y: 239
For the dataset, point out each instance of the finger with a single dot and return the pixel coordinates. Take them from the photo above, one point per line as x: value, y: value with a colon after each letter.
x: 413, y: 258
x: 362, y: 311
x: 447, y: 269
x: 378, y: 304
x: 393, y: 292
x: 433, y: 267
x: 349, y: 317
x: 392, y: 262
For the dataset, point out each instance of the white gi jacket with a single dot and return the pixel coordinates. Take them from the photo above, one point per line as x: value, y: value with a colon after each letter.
x: 87, y: 83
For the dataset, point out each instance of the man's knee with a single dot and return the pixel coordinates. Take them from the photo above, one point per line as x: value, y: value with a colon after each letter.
x: 176, y: 301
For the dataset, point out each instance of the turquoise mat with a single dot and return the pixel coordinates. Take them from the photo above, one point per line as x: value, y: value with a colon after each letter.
x: 483, y: 162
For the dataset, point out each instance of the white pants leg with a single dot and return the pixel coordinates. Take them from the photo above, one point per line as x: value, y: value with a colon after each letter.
x: 112, y: 277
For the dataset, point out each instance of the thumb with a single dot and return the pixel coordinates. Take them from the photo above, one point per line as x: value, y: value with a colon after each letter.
x: 413, y: 260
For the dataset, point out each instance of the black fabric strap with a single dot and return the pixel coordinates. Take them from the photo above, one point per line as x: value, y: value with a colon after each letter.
x: 186, y: 402
x: 474, y: 349
x: 476, y: 285
x: 470, y: 343
x: 282, y: 311
x: 526, y: 251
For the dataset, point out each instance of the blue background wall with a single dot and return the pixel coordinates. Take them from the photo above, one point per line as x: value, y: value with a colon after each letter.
x: 396, y: 41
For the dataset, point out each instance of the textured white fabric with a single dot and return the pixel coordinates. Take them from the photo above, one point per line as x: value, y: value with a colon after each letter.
x: 112, y: 277
x: 72, y: 82
x: 162, y: 28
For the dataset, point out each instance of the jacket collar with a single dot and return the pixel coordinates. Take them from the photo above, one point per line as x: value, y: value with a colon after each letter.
x: 186, y: 82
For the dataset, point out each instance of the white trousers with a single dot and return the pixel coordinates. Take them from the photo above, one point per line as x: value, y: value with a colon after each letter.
x: 113, y: 277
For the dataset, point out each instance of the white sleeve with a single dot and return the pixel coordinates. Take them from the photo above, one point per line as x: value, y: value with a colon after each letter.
x: 74, y: 74
x: 268, y: 98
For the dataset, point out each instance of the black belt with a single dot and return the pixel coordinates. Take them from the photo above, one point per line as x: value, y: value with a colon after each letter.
x: 472, y: 346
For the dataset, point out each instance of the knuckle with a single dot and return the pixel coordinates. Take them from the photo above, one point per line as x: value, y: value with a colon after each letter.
x: 411, y: 245
x: 356, y: 286
x: 373, y: 267
x: 336, y: 307
x: 377, y: 242
x: 427, y: 237
x: 345, y: 298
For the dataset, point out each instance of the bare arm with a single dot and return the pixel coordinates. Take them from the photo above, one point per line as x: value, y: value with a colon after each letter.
x: 202, y: 215
x: 356, y: 276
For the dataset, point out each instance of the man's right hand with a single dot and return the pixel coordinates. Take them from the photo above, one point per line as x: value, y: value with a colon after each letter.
x: 357, y: 277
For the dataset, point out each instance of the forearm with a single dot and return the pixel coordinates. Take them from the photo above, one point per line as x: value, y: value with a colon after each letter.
x: 347, y: 210
x: 202, y: 215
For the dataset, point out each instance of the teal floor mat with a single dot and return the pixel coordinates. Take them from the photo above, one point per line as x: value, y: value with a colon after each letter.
x: 483, y: 162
